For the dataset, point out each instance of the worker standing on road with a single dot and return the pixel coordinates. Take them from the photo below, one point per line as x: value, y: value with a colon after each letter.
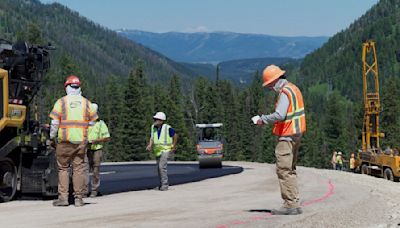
x: 70, y: 116
x: 98, y: 134
x: 352, y: 163
x: 339, y: 161
x: 333, y: 160
x: 163, y: 141
x: 289, y: 125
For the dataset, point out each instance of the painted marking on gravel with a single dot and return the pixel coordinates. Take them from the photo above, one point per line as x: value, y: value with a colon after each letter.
x: 329, y: 193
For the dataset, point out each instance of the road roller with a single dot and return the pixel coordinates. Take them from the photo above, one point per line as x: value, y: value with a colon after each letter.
x: 210, y: 145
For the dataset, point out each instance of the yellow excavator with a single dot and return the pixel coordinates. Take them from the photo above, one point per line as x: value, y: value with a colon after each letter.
x: 371, y: 159
x: 27, y: 161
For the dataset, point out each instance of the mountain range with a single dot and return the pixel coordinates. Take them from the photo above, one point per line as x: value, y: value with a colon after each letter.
x: 215, y: 47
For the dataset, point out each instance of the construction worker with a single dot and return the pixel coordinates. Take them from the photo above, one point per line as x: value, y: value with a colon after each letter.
x: 70, y: 116
x: 333, y: 160
x: 163, y: 141
x: 98, y: 134
x: 289, y: 125
x: 352, y: 163
x: 339, y: 161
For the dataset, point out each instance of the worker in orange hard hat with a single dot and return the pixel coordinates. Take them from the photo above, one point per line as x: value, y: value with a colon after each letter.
x: 71, y: 117
x: 289, y: 125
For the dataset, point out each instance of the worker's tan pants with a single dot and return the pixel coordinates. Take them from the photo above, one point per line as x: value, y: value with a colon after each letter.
x: 95, y: 157
x: 68, y: 153
x: 286, y: 158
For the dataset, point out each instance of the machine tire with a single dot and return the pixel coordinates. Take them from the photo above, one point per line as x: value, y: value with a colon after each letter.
x: 8, y: 179
x: 388, y: 174
x: 364, y: 169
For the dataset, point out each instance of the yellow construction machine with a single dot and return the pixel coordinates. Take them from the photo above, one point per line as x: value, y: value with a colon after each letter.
x: 371, y: 159
x: 27, y: 162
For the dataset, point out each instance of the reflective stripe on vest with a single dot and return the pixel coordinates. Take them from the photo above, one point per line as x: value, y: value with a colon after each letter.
x: 295, y: 121
x: 74, y: 119
x: 162, y: 143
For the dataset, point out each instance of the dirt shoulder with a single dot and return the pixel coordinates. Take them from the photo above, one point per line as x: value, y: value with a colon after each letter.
x: 330, y: 199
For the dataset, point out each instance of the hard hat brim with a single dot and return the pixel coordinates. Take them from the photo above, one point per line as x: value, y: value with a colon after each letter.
x: 272, y: 79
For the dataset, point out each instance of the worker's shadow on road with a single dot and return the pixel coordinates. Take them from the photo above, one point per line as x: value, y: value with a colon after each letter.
x: 260, y: 210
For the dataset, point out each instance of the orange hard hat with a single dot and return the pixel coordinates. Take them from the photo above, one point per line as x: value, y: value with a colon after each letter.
x: 271, y: 73
x: 72, y: 80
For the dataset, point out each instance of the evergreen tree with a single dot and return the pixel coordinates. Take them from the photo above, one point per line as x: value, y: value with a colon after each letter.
x: 185, y: 147
x: 390, y: 119
x: 112, y: 112
x: 135, y: 123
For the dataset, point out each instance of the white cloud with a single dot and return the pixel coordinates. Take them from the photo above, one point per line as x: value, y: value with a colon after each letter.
x: 200, y: 28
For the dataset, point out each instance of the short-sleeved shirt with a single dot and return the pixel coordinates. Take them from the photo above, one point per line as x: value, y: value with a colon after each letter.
x: 98, y: 131
x: 171, y: 132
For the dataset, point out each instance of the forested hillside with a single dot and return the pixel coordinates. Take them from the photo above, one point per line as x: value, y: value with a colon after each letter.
x: 99, y: 51
x: 331, y: 78
x: 240, y: 71
x: 130, y: 83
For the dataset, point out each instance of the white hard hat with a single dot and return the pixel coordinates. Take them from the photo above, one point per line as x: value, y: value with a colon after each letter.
x: 160, y: 116
x: 94, y: 106
x: 340, y: 153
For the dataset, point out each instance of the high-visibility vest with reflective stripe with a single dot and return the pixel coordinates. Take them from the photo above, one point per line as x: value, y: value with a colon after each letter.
x: 295, y: 121
x: 74, y: 114
x: 98, y: 131
x: 162, y: 143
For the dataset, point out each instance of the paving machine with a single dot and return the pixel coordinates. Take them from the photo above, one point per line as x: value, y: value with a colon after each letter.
x: 371, y: 159
x: 210, y: 145
x: 27, y: 162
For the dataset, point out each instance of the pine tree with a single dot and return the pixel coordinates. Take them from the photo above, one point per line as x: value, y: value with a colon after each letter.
x: 135, y: 123
x: 111, y: 111
x: 390, y: 119
x: 34, y: 35
x: 185, y: 147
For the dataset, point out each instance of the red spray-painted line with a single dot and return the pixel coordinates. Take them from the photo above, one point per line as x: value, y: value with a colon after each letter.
x: 331, y: 188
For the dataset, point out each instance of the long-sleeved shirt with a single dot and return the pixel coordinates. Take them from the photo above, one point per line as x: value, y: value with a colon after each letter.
x: 280, y: 112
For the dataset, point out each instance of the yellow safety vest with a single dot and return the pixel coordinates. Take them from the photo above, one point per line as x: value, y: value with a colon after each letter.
x: 162, y: 143
x: 339, y: 160
x: 98, y: 131
x: 352, y: 163
x: 74, y: 114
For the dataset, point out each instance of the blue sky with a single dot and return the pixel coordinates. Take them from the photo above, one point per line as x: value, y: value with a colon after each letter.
x: 273, y: 17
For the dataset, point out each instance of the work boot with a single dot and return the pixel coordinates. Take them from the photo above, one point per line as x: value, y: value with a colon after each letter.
x: 93, y: 194
x: 163, y: 188
x: 60, y: 203
x: 287, y: 211
x: 79, y: 202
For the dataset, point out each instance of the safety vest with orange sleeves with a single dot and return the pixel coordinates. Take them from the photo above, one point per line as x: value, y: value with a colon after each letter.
x: 73, y: 113
x: 295, y: 121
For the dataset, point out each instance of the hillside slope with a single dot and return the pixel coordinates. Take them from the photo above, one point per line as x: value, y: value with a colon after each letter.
x: 338, y: 62
x: 240, y: 71
x: 97, y: 50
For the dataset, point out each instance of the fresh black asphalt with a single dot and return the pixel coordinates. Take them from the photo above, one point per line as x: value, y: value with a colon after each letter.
x: 134, y: 177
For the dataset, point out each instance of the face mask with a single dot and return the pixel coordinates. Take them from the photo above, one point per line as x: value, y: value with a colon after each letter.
x: 277, y: 87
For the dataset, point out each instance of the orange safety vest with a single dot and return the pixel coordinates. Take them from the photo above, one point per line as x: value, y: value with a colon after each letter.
x: 74, y: 115
x: 295, y: 121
